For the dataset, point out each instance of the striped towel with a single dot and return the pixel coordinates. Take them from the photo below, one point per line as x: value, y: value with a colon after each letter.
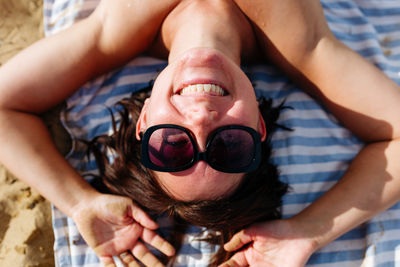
x: 311, y: 158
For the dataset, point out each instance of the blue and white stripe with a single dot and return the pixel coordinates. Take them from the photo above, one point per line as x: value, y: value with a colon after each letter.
x: 312, y: 158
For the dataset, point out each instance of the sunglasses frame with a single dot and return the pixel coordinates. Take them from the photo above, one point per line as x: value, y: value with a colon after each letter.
x: 254, y: 163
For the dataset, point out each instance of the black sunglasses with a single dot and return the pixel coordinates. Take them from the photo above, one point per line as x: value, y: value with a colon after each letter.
x: 172, y: 148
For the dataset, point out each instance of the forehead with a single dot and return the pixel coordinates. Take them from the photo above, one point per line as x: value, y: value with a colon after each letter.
x: 201, y: 182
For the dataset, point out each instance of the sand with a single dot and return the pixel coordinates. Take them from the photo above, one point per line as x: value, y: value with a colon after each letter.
x: 26, y: 237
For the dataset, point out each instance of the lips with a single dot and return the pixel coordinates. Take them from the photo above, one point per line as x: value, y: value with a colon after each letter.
x: 202, y: 71
x: 203, y: 89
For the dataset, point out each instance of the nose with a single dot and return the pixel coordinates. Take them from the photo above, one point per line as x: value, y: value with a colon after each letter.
x: 201, y: 115
x: 201, y: 119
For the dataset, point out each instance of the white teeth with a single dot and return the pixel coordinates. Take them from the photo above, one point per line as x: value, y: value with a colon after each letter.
x: 211, y: 89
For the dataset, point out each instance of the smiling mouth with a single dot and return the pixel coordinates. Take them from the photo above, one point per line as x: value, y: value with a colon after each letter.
x: 205, y: 89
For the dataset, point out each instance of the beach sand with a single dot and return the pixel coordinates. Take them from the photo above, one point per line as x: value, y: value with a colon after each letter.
x: 26, y: 237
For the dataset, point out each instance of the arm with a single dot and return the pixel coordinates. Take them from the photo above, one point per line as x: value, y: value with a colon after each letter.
x: 49, y: 71
x: 356, y: 92
x: 53, y: 68
x: 31, y: 82
x: 46, y: 73
x: 325, y: 67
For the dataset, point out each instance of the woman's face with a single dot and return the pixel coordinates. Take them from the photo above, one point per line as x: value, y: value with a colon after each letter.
x: 201, y: 111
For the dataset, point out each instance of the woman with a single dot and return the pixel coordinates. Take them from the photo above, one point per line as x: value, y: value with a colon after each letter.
x: 104, y: 47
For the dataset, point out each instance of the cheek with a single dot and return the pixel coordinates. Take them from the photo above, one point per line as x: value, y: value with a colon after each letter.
x: 245, y: 112
x: 160, y: 111
x: 160, y: 97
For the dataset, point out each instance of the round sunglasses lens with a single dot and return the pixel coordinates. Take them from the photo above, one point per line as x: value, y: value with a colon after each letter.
x: 170, y: 148
x: 231, y: 149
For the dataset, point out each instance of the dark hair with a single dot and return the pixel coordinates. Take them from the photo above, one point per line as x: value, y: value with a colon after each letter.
x: 258, y: 197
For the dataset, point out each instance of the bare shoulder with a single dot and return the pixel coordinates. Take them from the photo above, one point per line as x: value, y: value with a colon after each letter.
x: 292, y: 26
x: 271, y: 13
x: 131, y: 24
x: 135, y: 9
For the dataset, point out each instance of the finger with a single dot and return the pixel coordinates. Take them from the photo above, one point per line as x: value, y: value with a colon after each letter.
x: 157, y: 242
x: 142, y: 217
x: 107, y: 261
x: 143, y: 254
x: 128, y: 259
x: 237, y: 260
x: 237, y: 241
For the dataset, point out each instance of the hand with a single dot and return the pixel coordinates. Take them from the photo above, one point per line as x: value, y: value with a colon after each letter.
x: 114, y: 226
x: 274, y: 243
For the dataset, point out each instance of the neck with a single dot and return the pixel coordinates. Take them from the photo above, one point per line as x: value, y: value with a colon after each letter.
x: 208, y: 23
